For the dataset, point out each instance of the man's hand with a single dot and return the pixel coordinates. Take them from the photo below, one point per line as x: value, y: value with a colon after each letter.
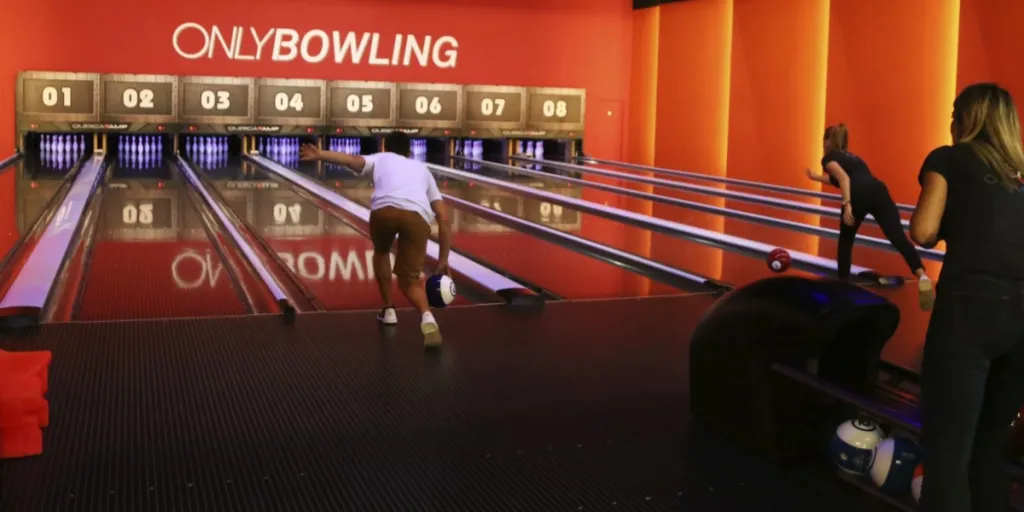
x: 442, y: 268
x: 309, y: 152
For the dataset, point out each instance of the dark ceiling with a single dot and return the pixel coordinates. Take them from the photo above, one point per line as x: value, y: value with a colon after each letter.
x: 643, y: 4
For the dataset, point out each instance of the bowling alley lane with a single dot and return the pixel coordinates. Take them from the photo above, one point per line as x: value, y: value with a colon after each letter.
x: 884, y: 261
x: 565, y: 272
x: 151, y: 257
x: 562, y: 271
x: 330, y: 258
x: 36, y: 178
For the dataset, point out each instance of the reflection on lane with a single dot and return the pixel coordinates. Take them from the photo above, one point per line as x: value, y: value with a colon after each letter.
x: 332, y: 260
x: 564, y: 272
x: 883, y: 261
x: 673, y: 251
x: 151, y: 257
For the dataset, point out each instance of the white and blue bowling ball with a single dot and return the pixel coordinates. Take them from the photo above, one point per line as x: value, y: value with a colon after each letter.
x: 895, y: 461
x: 853, y: 445
x: 915, y: 485
x: 440, y: 291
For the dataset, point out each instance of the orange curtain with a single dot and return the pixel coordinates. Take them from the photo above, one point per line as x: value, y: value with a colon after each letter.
x: 776, y: 110
x: 692, y: 120
x: 990, y: 45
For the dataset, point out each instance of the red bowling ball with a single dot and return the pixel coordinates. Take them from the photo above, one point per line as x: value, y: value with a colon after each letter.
x: 779, y: 260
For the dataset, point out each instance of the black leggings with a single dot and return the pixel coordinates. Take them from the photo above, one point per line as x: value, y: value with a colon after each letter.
x: 972, y: 385
x: 874, y: 199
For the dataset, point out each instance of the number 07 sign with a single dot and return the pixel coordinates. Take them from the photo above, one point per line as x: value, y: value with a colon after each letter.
x: 494, y: 107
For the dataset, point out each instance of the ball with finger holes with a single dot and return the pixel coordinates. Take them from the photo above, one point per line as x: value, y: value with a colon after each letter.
x: 440, y: 291
x: 779, y: 260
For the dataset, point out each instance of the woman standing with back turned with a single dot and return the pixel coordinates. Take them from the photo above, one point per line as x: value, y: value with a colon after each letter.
x: 863, y: 194
x: 972, y: 374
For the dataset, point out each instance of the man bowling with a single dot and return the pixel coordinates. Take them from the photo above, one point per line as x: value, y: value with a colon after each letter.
x: 405, y: 202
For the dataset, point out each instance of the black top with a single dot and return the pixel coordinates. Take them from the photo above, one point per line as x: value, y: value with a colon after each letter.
x: 983, y: 224
x: 856, y: 168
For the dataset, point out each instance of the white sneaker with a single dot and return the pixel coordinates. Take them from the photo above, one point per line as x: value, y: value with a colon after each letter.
x: 431, y: 332
x: 387, y: 316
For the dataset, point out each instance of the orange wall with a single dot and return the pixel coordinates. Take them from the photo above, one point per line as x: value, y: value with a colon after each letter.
x: 990, y: 45
x: 776, y: 107
x: 692, y: 118
x: 745, y: 88
x: 892, y: 79
x: 887, y: 69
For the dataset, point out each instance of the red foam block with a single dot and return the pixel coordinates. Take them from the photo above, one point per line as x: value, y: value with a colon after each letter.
x: 21, y: 398
x: 21, y: 440
x: 34, y: 363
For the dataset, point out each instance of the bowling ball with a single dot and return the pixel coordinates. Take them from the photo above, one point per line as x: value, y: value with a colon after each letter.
x: 779, y: 260
x: 895, y: 461
x: 915, y: 485
x: 440, y: 291
x: 853, y: 445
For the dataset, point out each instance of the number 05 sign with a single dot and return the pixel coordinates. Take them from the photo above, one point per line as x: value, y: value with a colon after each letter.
x: 361, y: 104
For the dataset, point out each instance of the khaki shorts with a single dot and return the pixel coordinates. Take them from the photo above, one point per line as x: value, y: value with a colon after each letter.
x: 413, y: 233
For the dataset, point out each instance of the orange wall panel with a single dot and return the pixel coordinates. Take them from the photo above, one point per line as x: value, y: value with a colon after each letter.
x: 643, y: 113
x: 643, y: 87
x: 777, y: 108
x: 892, y: 79
x: 692, y: 122
x: 990, y: 45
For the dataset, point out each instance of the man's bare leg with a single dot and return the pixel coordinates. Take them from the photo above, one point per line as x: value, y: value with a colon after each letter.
x: 415, y: 291
x: 382, y: 274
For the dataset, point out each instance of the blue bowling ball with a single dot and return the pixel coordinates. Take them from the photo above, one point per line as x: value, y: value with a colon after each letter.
x: 853, y: 445
x: 895, y: 461
x: 440, y: 291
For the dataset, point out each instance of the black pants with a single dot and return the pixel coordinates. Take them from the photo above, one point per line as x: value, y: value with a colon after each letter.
x: 874, y: 198
x: 972, y: 385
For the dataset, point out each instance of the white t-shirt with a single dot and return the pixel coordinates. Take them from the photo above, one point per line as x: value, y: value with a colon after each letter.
x: 401, y: 182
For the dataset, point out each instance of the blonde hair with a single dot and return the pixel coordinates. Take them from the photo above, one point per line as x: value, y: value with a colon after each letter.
x: 985, y: 119
x: 837, y: 137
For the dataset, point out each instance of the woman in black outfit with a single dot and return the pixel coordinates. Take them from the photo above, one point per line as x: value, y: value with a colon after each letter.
x: 972, y: 374
x: 863, y: 194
